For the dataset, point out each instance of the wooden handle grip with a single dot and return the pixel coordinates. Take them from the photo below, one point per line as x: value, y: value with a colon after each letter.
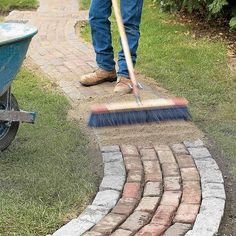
x: 125, y: 45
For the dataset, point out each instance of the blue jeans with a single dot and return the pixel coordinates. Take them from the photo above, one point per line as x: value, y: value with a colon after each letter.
x: 99, y: 13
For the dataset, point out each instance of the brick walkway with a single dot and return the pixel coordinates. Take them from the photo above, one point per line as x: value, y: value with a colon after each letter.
x: 155, y: 182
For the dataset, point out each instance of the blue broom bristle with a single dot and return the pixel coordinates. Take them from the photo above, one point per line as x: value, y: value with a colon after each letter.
x: 136, y: 117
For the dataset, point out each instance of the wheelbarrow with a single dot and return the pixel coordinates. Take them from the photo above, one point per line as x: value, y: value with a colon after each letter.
x: 14, y: 42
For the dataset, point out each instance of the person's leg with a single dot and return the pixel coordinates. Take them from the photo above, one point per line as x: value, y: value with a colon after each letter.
x: 100, y: 11
x: 131, y: 13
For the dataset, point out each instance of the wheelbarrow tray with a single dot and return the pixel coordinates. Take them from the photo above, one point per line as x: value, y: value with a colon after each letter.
x: 14, y: 42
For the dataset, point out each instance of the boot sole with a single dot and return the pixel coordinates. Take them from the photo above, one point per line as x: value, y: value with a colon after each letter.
x: 100, y: 82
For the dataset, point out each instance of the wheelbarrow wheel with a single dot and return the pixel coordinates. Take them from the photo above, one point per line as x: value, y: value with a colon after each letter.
x: 8, y: 130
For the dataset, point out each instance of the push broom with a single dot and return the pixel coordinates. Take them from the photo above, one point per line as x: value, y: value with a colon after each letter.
x: 138, y: 111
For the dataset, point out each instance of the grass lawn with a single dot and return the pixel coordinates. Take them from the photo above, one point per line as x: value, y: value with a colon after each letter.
x: 194, y: 68
x: 84, y: 4
x: 6, y: 5
x: 48, y: 174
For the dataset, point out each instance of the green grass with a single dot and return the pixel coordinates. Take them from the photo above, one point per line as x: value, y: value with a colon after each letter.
x: 6, y: 5
x: 194, y: 68
x: 84, y: 4
x: 48, y: 174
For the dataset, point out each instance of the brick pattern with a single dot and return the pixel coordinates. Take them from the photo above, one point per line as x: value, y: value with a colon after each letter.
x: 58, y: 50
x: 165, y: 196
x: 166, y: 200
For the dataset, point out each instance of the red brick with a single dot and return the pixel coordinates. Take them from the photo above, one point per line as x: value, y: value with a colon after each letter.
x: 148, y: 154
x: 191, y: 192
x: 172, y: 184
x: 129, y: 150
x: 189, y: 174
x: 185, y: 161
x: 171, y: 198
x: 164, y: 215
x: 125, y: 206
x: 152, y: 230
x: 152, y: 171
x: 166, y: 157
x: 170, y: 169
x: 186, y: 213
x: 132, y: 190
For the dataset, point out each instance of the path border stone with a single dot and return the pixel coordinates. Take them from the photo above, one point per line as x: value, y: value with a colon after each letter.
x: 184, y: 205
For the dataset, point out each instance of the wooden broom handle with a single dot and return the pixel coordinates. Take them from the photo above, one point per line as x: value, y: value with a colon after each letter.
x: 125, y: 46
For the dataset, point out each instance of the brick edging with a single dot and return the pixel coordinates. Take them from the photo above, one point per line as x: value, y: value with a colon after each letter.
x: 213, y: 192
x: 109, y: 192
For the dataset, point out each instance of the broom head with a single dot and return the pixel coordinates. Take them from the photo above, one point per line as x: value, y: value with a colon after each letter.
x: 153, y: 110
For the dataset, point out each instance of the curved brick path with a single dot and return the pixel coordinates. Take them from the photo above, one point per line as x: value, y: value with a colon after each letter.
x: 149, y: 187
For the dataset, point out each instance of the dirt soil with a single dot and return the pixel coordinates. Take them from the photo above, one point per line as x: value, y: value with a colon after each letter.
x: 155, y: 133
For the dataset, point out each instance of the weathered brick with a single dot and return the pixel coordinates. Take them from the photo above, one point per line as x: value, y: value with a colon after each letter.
x: 132, y: 190
x: 107, y: 198
x: 177, y: 229
x: 92, y: 234
x: 112, y: 156
x: 164, y: 215
x: 194, y: 143
x: 135, y: 176
x: 179, y: 149
x: 170, y: 169
x: 152, y: 230
x: 200, y: 152
x: 129, y: 150
x: 166, y: 157
x: 186, y: 213
x: 185, y: 161
x: 74, y: 227
x: 125, y: 206
x: 148, y: 154
x: 172, y: 184
x: 171, y: 198
x: 122, y: 232
x: 133, y: 165
x: 148, y: 204
x: 136, y: 221
x: 152, y: 171
x: 152, y: 189
x: 189, y: 174
x: 213, y: 190
x: 191, y: 192
x: 109, y: 223
x: 112, y: 182
x: 114, y: 168
x: 93, y: 213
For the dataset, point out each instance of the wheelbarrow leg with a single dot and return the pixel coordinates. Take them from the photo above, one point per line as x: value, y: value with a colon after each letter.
x: 8, y: 129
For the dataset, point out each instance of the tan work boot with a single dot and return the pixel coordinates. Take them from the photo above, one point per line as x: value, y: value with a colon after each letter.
x: 97, y: 77
x: 123, y: 85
